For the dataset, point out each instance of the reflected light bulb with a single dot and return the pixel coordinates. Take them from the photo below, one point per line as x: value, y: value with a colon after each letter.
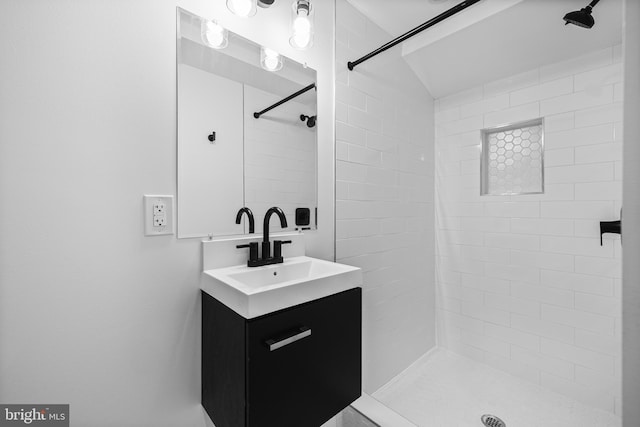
x: 271, y: 59
x: 301, y: 31
x: 242, y: 7
x: 271, y: 63
x: 214, y: 34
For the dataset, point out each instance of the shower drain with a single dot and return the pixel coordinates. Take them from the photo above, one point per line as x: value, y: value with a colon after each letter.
x: 492, y: 421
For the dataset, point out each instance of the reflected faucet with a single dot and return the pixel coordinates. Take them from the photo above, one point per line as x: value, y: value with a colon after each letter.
x: 247, y: 211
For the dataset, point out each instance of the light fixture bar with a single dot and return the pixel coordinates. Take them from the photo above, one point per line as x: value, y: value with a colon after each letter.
x: 444, y: 15
x: 288, y: 98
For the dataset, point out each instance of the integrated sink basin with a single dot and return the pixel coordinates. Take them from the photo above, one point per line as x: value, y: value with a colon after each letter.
x: 256, y: 291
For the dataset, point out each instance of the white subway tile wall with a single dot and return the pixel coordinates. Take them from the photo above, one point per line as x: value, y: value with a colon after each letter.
x: 280, y: 158
x: 384, y: 196
x: 522, y: 281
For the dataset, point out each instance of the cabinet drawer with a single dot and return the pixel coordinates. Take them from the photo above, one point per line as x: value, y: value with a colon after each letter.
x: 304, y: 363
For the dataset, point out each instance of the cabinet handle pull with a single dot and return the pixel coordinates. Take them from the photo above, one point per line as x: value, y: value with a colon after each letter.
x: 291, y: 337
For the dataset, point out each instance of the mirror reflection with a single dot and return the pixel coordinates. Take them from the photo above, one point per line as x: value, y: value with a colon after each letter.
x: 246, y: 132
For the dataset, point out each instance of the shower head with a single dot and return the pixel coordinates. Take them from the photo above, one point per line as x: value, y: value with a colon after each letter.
x: 265, y: 3
x: 311, y: 120
x: 581, y: 18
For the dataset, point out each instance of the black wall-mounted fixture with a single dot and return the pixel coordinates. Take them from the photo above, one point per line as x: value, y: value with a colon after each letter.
x: 444, y: 15
x: 288, y: 98
x: 265, y: 3
x: 311, y: 120
x: 613, y: 227
x: 303, y: 216
x: 212, y: 137
x: 581, y: 18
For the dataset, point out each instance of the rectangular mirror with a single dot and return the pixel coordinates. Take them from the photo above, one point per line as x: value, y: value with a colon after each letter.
x: 230, y: 155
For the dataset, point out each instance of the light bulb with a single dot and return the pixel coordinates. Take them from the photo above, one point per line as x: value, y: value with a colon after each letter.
x: 242, y: 8
x: 270, y: 59
x: 301, y: 32
x: 271, y: 62
x: 301, y: 25
x: 214, y: 35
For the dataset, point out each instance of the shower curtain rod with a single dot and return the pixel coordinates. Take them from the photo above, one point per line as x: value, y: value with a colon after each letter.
x: 288, y: 98
x: 444, y: 15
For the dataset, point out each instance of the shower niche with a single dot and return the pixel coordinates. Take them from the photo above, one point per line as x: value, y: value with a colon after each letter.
x: 512, y: 160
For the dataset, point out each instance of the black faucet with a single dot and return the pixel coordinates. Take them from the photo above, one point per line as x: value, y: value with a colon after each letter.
x: 266, y: 258
x: 249, y: 215
x: 266, y: 245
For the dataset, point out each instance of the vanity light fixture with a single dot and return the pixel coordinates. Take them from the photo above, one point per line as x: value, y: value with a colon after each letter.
x: 214, y: 35
x: 242, y: 8
x: 270, y: 60
x: 301, y: 24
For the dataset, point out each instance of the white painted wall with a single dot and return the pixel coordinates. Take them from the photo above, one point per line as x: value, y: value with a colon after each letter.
x: 631, y: 220
x: 523, y: 283
x: 92, y: 313
x: 384, y: 193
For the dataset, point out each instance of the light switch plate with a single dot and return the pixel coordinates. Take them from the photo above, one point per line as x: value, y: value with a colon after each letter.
x: 158, y: 215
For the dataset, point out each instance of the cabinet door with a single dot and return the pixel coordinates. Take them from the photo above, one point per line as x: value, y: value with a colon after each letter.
x: 305, y: 380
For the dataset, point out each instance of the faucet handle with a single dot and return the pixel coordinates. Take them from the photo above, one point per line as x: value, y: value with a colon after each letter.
x: 277, y: 247
x: 253, y: 250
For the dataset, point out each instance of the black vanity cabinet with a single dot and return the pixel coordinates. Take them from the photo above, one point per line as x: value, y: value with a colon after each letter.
x: 296, y: 367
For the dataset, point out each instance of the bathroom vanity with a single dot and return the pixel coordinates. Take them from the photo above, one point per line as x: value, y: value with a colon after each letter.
x: 281, y: 344
x: 296, y: 367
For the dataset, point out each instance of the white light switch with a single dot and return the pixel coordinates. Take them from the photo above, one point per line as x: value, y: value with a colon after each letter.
x: 158, y: 215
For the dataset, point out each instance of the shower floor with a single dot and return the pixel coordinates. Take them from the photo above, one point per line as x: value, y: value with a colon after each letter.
x: 445, y: 389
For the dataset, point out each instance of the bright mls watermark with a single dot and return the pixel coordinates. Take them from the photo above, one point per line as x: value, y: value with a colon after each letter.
x: 34, y: 415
